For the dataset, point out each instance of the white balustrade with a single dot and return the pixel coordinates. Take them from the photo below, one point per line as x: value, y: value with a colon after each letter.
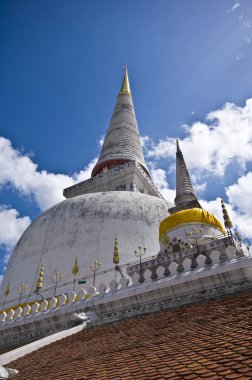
x: 81, y: 294
x: 53, y: 303
x: 19, y: 312
x: 10, y: 314
x: 124, y: 282
x: 3, y: 316
x: 62, y: 300
x: 35, y: 308
x: 215, y: 257
x: 201, y: 260
x: 71, y: 297
x: 231, y: 252
x: 44, y: 305
x: 173, y: 268
x: 135, y: 278
x: 27, y: 310
x: 160, y: 272
x: 102, y: 289
x: 92, y: 291
x: 147, y: 275
x: 113, y: 285
x: 187, y: 263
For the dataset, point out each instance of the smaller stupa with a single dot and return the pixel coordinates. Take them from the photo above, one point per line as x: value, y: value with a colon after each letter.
x: 188, y: 222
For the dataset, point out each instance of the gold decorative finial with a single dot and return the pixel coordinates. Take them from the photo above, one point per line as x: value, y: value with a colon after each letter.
x: 75, y: 269
x: 40, y: 279
x: 5, y: 294
x: 6, y: 291
x: 227, y: 221
x: 116, y: 253
x: 125, y: 89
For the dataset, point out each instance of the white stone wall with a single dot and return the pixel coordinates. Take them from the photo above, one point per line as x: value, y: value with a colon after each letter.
x: 84, y: 227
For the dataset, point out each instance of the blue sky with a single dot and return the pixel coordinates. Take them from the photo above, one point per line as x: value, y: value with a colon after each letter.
x: 60, y: 71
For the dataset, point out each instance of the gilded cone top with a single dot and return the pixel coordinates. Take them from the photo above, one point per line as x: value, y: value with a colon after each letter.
x: 125, y: 89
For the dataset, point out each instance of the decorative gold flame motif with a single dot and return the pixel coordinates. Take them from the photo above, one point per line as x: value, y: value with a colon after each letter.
x: 75, y: 269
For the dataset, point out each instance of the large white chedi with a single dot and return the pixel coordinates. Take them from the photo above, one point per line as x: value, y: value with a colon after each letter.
x: 119, y: 200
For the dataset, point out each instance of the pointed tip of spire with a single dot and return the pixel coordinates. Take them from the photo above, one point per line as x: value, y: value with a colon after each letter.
x: 178, y: 147
x: 125, y: 89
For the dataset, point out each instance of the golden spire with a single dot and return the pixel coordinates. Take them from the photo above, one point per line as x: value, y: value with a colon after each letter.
x: 116, y: 253
x: 227, y: 220
x: 40, y: 278
x: 125, y: 89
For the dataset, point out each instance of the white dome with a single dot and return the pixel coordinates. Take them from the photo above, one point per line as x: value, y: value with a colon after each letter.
x: 84, y: 227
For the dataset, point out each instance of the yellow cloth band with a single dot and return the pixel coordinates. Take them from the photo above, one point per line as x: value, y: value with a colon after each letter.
x: 189, y: 216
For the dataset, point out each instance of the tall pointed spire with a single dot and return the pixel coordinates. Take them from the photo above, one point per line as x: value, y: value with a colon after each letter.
x: 125, y: 89
x: 122, y: 141
x: 185, y: 195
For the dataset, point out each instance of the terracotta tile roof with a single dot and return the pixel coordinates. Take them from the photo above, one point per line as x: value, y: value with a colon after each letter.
x: 211, y: 340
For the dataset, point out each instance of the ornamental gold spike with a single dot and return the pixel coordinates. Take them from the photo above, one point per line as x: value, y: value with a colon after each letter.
x: 6, y: 291
x: 116, y: 253
x: 227, y: 220
x: 40, y: 278
x: 75, y: 269
x: 125, y: 89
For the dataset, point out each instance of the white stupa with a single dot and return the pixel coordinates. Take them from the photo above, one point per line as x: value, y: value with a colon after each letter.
x: 119, y: 200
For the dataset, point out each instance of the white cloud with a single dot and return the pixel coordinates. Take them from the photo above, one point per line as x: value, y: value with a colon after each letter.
x: 234, y: 7
x: 239, y: 205
x: 101, y: 140
x: 211, y: 146
x: 18, y: 170
x: 12, y: 226
x: 246, y: 24
x: 240, y: 194
x: 240, y: 56
x: 200, y: 187
x: 144, y: 140
x: 168, y: 194
x: 159, y: 178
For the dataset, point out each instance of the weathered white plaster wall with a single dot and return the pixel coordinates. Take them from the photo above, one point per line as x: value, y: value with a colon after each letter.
x: 85, y: 227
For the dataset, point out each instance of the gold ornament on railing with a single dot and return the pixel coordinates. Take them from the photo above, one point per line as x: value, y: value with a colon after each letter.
x: 40, y: 280
x: 227, y: 221
x: 21, y: 290
x: 116, y: 253
x: 95, y: 266
x: 75, y: 271
x: 57, y: 277
x: 116, y: 259
x: 5, y: 294
x: 6, y: 291
x: 139, y: 254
